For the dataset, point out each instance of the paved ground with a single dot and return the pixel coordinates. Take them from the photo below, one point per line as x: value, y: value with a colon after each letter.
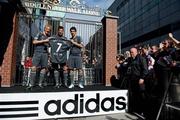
x: 120, y: 116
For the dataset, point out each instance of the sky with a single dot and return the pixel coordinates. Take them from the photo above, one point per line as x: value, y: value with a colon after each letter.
x: 101, y: 3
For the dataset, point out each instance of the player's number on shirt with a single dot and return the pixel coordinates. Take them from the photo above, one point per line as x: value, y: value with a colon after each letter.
x: 59, y: 47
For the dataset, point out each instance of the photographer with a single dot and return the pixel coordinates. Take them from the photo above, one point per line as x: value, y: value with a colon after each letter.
x: 165, y: 62
x: 121, y: 67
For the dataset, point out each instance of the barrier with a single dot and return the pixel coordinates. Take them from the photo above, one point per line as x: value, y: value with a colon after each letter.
x: 89, y: 75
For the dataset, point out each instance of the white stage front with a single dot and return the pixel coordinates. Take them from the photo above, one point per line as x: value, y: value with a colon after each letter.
x: 45, y: 105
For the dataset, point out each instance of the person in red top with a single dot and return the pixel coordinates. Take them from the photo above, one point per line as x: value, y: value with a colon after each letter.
x: 27, y: 68
x: 28, y: 62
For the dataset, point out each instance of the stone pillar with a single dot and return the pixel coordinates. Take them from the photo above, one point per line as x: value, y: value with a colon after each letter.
x: 109, y: 47
x: 8, y: 65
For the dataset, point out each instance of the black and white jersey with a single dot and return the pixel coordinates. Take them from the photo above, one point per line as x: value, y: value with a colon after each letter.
x: 42, y: 48
x: 59, y: 47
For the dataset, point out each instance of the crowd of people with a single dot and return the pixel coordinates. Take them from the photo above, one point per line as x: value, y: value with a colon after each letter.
x: 145, y: 71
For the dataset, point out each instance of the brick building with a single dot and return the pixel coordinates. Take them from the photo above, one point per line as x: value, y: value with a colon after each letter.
x: 8, y: 9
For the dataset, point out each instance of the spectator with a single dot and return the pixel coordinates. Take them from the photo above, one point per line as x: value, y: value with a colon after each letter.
x: 27, y: 68
x: 175, y: 41
x: 121, y: 70
x: 136, y: 71
x: 150, y: 61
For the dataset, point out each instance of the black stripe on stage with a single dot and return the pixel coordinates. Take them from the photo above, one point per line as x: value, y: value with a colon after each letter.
x: 18, y: 109
x: 18, y: 102
x: 19, y: 115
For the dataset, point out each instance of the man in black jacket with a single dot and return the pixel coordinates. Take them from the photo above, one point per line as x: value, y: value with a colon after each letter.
x: 137, y: 71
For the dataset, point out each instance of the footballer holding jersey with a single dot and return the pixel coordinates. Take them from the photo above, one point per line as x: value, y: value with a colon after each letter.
x: 59, y: 45
x: 40, y: 56
x: 75, y: 58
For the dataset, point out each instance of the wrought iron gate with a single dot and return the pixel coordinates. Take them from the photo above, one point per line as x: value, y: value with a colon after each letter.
x: 91, y: 33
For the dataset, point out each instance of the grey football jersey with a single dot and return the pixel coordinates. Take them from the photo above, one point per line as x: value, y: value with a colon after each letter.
x: 59, y: 47
x: 40, y: 47
x: 74, y: 49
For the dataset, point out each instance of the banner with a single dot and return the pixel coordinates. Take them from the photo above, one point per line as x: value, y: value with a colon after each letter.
x: 62, y: 8
x: 46, y: 105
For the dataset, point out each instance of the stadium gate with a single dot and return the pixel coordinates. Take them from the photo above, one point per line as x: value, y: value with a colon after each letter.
x: 30, y: 24
x: 101, y: 42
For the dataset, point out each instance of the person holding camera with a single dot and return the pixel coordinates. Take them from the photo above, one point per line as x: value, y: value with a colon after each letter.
x: 174, y: 40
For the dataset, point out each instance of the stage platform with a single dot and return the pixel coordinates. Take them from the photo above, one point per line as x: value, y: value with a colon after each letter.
x: 96, y: 102
x: 36, y: 89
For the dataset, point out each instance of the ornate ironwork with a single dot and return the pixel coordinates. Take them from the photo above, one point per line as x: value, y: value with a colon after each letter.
x: 71, y: 6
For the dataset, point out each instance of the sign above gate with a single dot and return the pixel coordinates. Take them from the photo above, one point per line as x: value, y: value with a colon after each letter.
x: 72, y: 6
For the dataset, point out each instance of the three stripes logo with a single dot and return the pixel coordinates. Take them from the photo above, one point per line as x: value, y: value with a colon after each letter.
x: 18, y: 109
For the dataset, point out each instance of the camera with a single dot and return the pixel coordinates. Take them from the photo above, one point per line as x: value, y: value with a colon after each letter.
x: 129, y: 71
